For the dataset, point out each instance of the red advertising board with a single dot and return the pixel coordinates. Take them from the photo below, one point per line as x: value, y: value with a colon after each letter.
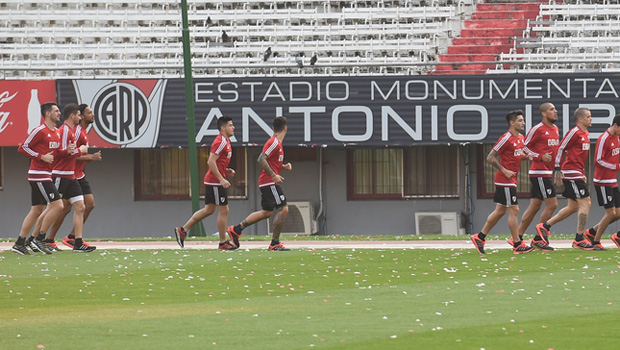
x: 20, y: 108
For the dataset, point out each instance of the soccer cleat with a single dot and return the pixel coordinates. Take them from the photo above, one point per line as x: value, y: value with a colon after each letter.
x: 38, y: 246
x: 543, y: 232
x: 542, y: 246
x: 233, y: 235
x: 585, y: 245
x: 84, y: 248
x: 478, y: 243
x: 20, y: 249
x: 589, y: 236
x: 52, y: 246
x: 522, y: 249
x: 226, y: 246
x: 69, y: 242
x: 616, y: 239
x: 598, y: 246
x: 180, y: 233
x: 278, y: 247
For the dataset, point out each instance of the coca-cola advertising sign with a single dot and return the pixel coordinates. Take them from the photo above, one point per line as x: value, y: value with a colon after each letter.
x: 20, y: 108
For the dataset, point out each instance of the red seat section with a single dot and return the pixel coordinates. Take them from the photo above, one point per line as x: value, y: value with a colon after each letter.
x: 491, y: 30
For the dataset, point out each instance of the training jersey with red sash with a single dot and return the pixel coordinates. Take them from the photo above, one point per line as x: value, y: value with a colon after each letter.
x: 42, y: 140
x: 540, y: 140
x: 576, y: 145
x: 606, y: 157
x: 81, y: 139
x: 510, y: 150
x: 65, y: 167
x: 221, y: 147
x: 275, y: 156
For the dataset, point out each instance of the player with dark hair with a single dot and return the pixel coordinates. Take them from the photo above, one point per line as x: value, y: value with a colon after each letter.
x: 42, y: 146
x: 216, y: 185
x: 506, y: 157
x: 575, y: 146
x: 542, y: 143
x: 81, y: 139
x: 606, y: 158
x: 64, y: 178
x: 272, y: 197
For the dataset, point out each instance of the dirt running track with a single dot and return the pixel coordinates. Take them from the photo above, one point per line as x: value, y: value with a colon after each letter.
x: 453, y: 244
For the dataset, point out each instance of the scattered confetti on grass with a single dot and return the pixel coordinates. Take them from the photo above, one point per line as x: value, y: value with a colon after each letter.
x: 336, y: 299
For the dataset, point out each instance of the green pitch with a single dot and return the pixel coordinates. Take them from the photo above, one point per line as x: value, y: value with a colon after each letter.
x: 323, y: 299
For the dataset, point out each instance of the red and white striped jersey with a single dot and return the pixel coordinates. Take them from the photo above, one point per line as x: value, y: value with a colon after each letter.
x: 221, y: 147
x: 510, y: 149
x: 575, y: 145
x: 606, y: 157
x: 42, y: 140
x: 275, y: 156
x: 81, y: 137
x: 542, y: 139
x: 65, y: 167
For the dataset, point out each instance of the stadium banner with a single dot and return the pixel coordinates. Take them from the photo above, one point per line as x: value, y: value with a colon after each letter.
x: 369, y: 111
x: 20, y: 108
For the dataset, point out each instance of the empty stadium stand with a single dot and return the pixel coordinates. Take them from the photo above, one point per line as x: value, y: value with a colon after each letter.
x: 136, y: 38
x: 571, y: 36
x: 91, y: 38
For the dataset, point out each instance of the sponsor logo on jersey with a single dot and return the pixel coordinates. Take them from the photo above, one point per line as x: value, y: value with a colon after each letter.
x: 553, y: 142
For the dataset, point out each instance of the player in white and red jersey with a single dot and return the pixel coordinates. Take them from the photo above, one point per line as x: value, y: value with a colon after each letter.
x: 64, y: 178
x: 506, y: 156
x: 542, y: 143
x: 606, y: 158
x: 272, y: 197
x: 81, y: 139
x: 42, y: 147
x: 574, y: 148
x: 216, y: 185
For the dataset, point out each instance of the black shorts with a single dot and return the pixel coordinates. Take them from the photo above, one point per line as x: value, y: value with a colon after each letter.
x: 85, y: 186
x: 542, y: 188
x: 216, y: 195
x: 43, y: 193
x: 272, y: 197
x: 506, y: 196
x: 69, y: 189
x: 608, y: 197
x: 575, y: 189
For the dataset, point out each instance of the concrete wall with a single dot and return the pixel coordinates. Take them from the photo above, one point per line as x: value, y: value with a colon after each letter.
x: 118, y: 215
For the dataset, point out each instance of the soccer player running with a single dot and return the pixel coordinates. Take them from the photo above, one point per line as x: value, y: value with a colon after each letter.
x: 87, y: 117
x: 42, y: 147
x: 575, y: 147
x: 542, y: 143
x: 506, y: 156
x: 216, y: 185
x: 272, y: 197
x: 606, y: 155
x: 64, y: 177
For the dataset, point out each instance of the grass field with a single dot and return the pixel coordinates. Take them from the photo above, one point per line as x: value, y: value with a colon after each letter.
x: 324, y: 299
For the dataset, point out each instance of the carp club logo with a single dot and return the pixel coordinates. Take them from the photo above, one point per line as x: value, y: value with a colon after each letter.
x: 127, y: 112
x: 122, y: 113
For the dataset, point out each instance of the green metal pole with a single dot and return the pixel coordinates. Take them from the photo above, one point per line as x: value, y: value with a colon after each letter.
x: 197, y: 230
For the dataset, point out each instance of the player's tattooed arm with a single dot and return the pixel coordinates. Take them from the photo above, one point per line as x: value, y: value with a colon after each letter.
x: 262, y: 161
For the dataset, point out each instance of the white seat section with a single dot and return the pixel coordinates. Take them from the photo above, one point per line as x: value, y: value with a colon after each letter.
x: 567, y: 37
x: 138, y: 37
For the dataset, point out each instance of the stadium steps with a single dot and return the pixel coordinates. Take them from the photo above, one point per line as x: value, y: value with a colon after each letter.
x: 491, y: 31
